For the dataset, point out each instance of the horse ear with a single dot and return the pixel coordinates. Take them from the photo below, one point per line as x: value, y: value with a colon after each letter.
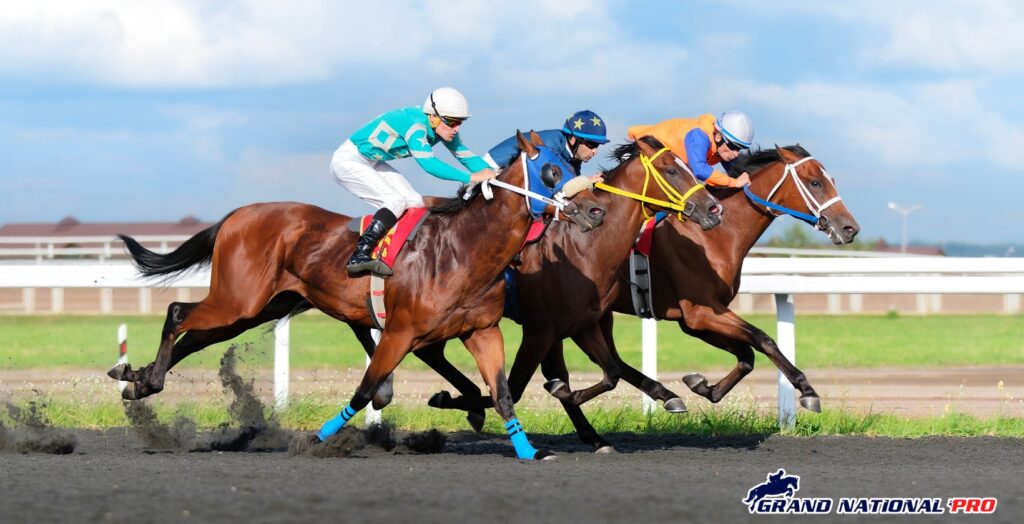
x: 785, y: 155
x: 644, y: 147
x: 525, y: 145
x: 535, y: 138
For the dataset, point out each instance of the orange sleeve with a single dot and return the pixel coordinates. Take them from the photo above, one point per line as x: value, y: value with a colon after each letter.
x: 719, y: 179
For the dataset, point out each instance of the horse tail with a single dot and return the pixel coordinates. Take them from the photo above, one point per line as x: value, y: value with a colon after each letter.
x: 194, y: 253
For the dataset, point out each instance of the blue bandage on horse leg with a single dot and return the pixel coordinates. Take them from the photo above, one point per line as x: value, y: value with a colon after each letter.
x: 335, y: 424
x: 523, y: 448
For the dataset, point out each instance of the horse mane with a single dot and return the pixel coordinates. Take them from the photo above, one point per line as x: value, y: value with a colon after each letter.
x: 753, y: 160
x: 447, y: 206
x: 625, y: 152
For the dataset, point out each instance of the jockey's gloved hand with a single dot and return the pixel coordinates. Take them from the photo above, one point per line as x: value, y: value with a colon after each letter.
x: 480, y: 176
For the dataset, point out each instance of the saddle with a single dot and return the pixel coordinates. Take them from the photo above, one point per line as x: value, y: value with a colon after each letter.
x: 387, y: 251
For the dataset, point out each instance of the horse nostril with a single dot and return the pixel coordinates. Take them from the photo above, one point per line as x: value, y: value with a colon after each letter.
x: 597, y: 211
x: 715, y: 210
x: 850, y: 231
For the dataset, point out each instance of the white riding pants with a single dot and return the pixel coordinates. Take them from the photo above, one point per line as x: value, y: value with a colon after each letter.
x: 377, y: 183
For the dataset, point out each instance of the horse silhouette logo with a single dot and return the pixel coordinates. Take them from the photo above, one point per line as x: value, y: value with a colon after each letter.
x: 778, y: 484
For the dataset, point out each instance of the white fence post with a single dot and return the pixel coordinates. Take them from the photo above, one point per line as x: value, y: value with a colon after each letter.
x: 281, y: 343
x: 57, y: 300
x: 373, y: 416
x: 786, y: 339
x: 122, y: 350
x: 650, y: 357
x: 28, y: 299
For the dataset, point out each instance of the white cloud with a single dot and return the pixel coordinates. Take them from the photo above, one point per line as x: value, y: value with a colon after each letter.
x: 190, y: 43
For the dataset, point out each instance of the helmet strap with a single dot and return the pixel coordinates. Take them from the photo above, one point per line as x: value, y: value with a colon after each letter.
x: 433, y: 105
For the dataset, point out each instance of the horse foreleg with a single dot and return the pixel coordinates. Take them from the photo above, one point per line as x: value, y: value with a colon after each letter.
x: 389, y: 352
x: 652, y: 388
x: 487, y: 347
x: 433, y: 356
x: 593, y: 344
x: 553, y: 367
x: 386, y: 390
x: 728, y: 331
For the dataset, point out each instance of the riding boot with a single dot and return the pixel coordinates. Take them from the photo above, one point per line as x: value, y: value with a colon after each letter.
x: 362, y: 260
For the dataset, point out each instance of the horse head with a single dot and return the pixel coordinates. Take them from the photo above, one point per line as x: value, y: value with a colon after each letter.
x: 682, y: 189
x: 797, y: 184
x: 549, y: 175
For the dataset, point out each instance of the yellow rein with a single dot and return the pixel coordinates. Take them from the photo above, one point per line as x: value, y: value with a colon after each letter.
x: 677, y: 201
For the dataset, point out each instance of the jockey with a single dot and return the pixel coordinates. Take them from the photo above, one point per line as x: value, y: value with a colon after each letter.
x: 703, y: 142
x: 360, y: 164
x: 577, y: 142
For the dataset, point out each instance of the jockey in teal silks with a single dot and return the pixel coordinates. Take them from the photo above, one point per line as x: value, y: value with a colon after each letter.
x: 577, y: 142
x: 360, y: 164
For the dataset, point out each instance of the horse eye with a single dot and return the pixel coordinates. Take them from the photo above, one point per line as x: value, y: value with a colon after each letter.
x: 672, y: 171
x: 815, y: 183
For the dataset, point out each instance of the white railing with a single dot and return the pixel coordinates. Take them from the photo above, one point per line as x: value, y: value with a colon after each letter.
x: 100, y: 247
x: 782, y: 278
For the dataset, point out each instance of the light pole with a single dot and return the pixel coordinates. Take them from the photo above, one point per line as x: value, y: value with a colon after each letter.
x: 904, y: 213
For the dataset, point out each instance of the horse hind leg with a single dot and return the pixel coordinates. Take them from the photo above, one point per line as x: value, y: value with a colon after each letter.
x: 150, y: 378
x: 553, y: 367
x: 433, y: 356
x: 715, y: 392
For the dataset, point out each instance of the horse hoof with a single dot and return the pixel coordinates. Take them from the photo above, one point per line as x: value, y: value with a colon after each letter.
x: 476, y: 420
x: 544, y: 455
x: 129, y: 392
x: 606, y: 449
x: 811, y: 403
x: 117, y: 372
x: 556, y: 386
x: 693, y: 380
x: 439, y: 400
x: 675, y: 405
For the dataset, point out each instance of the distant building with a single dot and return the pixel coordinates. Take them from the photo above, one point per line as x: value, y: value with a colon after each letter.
x: 882, y: 246
x: 72, y: 227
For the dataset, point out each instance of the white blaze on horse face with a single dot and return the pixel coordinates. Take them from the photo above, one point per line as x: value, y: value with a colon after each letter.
x: 680, y: 163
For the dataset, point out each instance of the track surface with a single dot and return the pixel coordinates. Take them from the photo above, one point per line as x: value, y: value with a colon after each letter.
x: 111, y: 477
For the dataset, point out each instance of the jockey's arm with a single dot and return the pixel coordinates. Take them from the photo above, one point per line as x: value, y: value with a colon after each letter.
x: 419, y: 148
x: 697, y: 144
x: 467, y: 158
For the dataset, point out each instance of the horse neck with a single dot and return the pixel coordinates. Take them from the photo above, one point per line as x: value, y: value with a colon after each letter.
x: 744, y: 221
x: 605, y: 247
x: 495, y: 228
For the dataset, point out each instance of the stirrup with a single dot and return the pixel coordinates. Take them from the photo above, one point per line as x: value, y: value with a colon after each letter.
x: 373, y: 266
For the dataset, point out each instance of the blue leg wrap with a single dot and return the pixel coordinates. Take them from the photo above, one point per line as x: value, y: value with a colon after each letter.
x: 335, y: 424
x: 523, y: 448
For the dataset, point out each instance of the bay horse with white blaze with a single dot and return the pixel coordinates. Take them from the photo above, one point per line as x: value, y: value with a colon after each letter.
x: 272, y: 260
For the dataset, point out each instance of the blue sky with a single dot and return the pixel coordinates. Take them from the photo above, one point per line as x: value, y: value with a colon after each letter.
x: 130, y: 111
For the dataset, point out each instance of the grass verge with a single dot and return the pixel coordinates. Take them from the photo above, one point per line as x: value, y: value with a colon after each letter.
x: 309, y: 413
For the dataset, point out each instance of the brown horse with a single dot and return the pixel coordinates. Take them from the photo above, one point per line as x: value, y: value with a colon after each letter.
x: 567, y: 281
x: 696, y: 275
x: 270, y: 260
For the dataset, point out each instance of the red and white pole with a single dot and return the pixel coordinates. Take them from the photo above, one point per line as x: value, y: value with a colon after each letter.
x: 122, y: 343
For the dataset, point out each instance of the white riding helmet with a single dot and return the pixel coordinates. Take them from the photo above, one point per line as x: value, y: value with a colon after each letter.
x: 446, y: 101
x: 736, y: 127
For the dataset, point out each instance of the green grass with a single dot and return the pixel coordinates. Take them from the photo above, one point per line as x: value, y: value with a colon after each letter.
x: 32, y: 342
x: 718, y: 421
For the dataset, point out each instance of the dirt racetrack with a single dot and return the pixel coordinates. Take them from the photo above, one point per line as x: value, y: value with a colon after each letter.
x: 112, y: 477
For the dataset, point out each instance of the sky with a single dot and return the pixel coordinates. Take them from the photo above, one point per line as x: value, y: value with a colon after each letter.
x: 150, y: 111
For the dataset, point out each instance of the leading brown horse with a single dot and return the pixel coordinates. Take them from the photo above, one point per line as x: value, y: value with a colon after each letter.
x: 269, y: 260
x: 567, y: 281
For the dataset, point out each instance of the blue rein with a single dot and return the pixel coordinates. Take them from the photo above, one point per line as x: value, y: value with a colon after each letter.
x: 810, y: 219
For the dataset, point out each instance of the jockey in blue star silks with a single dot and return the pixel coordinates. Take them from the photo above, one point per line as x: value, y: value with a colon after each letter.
x: 577, y: 142
x: 360, y: 164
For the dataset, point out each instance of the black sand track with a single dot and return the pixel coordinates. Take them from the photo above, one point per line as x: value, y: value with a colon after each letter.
x: 114, y: 476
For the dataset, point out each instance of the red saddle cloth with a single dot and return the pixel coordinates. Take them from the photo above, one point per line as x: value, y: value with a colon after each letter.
x: 388, y: 248
x: 646, y: 237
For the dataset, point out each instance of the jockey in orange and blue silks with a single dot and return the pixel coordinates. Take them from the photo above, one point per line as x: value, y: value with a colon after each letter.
x: 577, y: 142
x: 703, y: 142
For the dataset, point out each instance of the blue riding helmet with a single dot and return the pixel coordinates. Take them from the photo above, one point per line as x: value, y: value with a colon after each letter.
x: 534, y: 167
x: 586, y: 125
